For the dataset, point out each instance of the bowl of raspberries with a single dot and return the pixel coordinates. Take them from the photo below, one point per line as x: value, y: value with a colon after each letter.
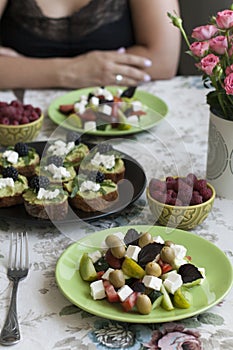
x: 19, y: 122
x: 181, y: 202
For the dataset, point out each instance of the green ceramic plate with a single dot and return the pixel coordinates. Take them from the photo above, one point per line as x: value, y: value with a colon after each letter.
x: 156, y: 111
x: 204, y: 254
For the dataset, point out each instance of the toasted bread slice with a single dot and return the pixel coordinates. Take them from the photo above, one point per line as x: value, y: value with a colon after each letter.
x: 10, y: 196
x: 25, y: 165
x: 92, y: 200
x: 53, y: 209
x: 115, y: 173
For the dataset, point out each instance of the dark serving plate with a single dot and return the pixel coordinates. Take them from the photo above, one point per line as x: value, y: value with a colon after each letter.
x: 130, y: 189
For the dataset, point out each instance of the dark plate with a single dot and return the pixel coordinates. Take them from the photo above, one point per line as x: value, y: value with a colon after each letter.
x: 130, y: 189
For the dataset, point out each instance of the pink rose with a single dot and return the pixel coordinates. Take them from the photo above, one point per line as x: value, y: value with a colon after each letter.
x: 219, y: 44
x: 204, y: 32
x: 228, y: 84
x: 199, y: 49
x: 224, y: 19
x: 173, y: 336
x: 229, y: 69
x: 208, y: 63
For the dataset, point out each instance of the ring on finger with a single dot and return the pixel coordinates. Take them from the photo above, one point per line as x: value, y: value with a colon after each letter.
x: 118, y: 78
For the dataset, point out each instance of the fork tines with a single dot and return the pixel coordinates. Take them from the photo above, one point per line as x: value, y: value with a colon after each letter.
x: 19, y: 254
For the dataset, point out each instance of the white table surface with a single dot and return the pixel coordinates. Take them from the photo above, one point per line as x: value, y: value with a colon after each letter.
x: 177, y: 144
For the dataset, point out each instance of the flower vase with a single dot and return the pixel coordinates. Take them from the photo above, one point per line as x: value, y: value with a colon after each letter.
x: 220, y: 155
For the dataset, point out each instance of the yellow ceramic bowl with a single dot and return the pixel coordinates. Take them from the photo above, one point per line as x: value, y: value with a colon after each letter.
x: 182, y: 217
x: 11, y: 134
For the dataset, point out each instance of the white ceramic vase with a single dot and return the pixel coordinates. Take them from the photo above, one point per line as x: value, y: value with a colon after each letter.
x: 220, y: 156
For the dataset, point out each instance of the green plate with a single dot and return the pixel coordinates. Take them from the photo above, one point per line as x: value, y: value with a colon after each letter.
x: 217, y: 284
x: 156, y: 111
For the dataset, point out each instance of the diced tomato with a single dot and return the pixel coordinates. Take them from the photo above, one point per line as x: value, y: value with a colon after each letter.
x: 117, y: 99
x: 165, y: 266
x: 100, y: 274
x: 188, y: 257
x: 111, y: 293
x: 66, y: 109
x: 130, y: 302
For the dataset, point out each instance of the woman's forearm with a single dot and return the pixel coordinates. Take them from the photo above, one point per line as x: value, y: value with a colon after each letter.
x: 24, y: 72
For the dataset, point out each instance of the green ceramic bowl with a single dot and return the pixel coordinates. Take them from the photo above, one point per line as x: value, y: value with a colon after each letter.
x: 11, y: 134
x: 182, y: 217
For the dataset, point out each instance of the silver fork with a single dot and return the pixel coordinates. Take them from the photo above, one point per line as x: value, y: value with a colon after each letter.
x: 18, y: 266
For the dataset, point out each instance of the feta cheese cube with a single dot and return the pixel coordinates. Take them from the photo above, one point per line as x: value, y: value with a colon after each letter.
x: 119, y: 92
x: 97, y: 290
x: 106, y: 109
x: 120, y: 235
x: 6, y: 182
x: 79, y: 107
x: 94, y: 101
x: 11, y: 156
x: 202, y: 271
x: 158, y: 239
x: 133, y: 251
x: 107, y: 273
x: 90, y: 126
x: 95, y: 256
x: 136, y: 106
x: 133, y: 120
x: 152, y: 282
x: 180, y: 251
x: 124, y: 292
x: 173, y: 282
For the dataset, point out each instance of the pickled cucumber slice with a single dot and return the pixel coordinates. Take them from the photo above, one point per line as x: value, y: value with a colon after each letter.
x: 74, y: 120
x: 123, y: 123
x: 182, y: 298
x: 132, y: 269
x: 166, y: 302
x: 86, y: 268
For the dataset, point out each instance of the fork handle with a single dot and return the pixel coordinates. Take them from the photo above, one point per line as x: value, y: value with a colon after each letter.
x: 10, y: 332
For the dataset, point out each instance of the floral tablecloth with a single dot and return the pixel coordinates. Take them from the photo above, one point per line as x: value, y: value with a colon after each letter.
x: 178, y: 144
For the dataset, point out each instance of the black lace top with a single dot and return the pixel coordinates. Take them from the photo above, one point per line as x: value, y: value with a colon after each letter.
x: 101, y: 24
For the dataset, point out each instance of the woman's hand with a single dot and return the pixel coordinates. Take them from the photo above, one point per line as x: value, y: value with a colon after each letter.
x: 98, y: 68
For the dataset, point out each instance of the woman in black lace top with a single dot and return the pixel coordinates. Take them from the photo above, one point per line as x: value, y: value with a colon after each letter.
x: 80, y: 43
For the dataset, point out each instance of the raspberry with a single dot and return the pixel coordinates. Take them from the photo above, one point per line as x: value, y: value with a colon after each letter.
x: 73, y: 136
x: 34, y: 116
x: 170, y: 181
x: 21, y: 148
x: 200, y: 185
x: 5, y: 121
x: 16, y: 103
x: 10, y: 171
x: 191, y: 179
x: 104, y: 147
x: 160, y: 196
x: 39, y: 181
x: 185, y: 195
x: 206, y: 194
x: 56, y: 160
x: 25, y: 120
x: 196, y: 199
x: 38, y: 111
x: 157, y: 185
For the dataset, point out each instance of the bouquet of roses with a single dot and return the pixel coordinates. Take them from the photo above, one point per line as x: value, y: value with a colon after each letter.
x: 212, y: 50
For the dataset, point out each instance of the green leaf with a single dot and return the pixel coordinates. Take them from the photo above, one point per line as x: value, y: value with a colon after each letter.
x: 211, y: 318
x: 69, y: 310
